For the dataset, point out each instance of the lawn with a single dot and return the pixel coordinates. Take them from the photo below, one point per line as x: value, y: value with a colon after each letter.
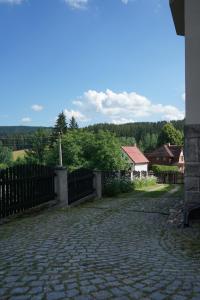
x: 18, y: 154
x: 158, y: 190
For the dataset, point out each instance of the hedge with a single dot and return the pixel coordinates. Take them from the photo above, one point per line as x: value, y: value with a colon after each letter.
x: 164, y: 168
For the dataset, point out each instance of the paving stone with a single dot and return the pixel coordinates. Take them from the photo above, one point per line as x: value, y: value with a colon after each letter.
x: 19, y: 290
x: 55, y: 295
x: 36, y: 290
x: 158, y: 296
x: 72, y: 293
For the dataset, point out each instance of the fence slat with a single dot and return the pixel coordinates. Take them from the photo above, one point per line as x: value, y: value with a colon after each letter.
x: 80, y: 184
x: 25, y: 186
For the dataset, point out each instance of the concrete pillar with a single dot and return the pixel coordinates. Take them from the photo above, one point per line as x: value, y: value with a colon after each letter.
x: 98, y: 184
x: 61, y: 186
x: 192, y: 126
x: 132, y: 176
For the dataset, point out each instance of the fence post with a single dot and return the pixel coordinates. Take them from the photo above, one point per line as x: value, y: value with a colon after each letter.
x: 98, y: 184
x: 61, y: 185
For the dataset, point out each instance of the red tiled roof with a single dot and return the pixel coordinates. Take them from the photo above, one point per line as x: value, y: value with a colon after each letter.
x: 135, y: 154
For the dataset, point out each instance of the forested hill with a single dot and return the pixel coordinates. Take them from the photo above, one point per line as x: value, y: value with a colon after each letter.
x: 136, y: 130
x: 12, y: 130
x: 123, y: 130
x: 145, y: 134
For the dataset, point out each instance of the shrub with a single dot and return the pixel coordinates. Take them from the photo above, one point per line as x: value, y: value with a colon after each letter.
x: 139, y: 183
x: 3, y: 166
x: 112, y: 187
x: 115, y: 186
x: 125, y: 186
x: 164, y: 168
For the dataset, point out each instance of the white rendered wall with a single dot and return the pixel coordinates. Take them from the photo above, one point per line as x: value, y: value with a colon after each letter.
x: 142, y: 167
x: 192, y: 36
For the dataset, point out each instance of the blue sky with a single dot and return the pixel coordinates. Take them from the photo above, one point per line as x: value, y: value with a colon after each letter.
x: 99, y: 60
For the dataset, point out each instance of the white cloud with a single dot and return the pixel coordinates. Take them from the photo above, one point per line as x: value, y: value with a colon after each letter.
x: 11, y: 1
x: 37, y: 107
x: 122, y: 121
x: 78, y: 103
x: 77, y: 4
x: 125, y: 107
x: 125, y: 1
x: 183, y: 96
x: 26, y: 120
x: 76, y: 114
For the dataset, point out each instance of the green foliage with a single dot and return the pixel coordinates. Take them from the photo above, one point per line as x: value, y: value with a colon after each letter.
x: 5, y: 155
x: 148, y: 142
x: 61, y: 124
x: 72, y: 123
x: 164, y: 168
x: 20, y: 161
x: 169, y: 134
x: 139, y: 183
x: 100, y: 151
x: 104, y: 152
x: 112, y: 188
x: 126, y: 186
x: 3, y: 166
x: 115, y: 186
x: 72, y: 151
x: 59, y: 128
x: 145, y: 134
x: 127, y: 141
x: 39, y: 143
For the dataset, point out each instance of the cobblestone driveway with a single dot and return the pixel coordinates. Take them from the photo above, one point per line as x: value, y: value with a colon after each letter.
x: 100, y: 250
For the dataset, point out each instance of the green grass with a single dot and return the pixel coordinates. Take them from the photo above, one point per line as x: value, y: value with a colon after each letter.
x: 154, y: 191
x: 18, y: 154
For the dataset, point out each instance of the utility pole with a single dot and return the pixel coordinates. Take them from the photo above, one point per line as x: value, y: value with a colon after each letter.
x: 60, y: 150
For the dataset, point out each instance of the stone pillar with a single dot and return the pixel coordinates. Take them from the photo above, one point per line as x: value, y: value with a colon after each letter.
x: 61, y: 186
x: 98, y: 184
x: 192, y: 124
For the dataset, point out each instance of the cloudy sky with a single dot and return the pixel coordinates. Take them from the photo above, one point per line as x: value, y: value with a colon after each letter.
x: 100, y: 60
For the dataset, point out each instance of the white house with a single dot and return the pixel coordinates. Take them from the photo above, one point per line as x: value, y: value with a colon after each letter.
x: 138, y: 162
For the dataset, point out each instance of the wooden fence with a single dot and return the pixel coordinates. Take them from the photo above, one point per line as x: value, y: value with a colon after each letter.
x: 80, y: 184
x: 23, y: 187
x: 170, y: 178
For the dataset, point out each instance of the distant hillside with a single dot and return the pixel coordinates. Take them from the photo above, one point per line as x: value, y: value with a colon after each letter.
x: 136, y: 130
x: 145, y: 134
x: 22, y: 130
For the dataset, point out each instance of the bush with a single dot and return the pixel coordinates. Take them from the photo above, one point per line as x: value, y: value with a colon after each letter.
x: 113, y: 187
x: 139, y: 183
x: 125, y: 186
x: 3, y: 166
x: 164, y: 168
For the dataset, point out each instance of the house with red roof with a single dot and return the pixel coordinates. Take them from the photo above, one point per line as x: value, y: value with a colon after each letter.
x: 171, y: 155
x: 138, y: 162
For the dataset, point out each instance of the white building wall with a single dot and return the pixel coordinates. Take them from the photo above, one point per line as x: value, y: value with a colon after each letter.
x: 141, y: 167
x: 192, y: 37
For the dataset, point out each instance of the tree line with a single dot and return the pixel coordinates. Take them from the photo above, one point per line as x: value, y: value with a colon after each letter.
x: 97, y: 146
